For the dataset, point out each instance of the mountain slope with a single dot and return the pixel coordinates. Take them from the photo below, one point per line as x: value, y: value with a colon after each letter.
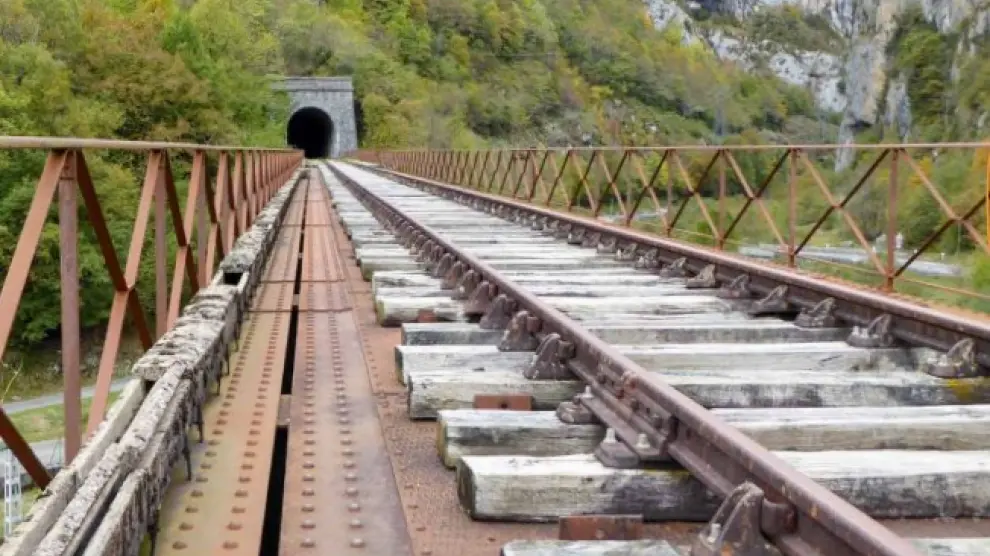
x: 462, y: 73
x: 896, y: 70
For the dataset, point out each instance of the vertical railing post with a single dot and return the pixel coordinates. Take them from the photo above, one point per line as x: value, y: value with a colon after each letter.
x: 792, y: 209
x: 234, y: 195
x: 161, y: 249
x: 986, y: 200
x: 888, y: 280
x: 669, y: 204
x: 68, y: 228
x: 722, y: 194
x: 202, y: 232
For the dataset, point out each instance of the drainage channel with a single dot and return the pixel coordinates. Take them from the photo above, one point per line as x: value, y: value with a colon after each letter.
x: 272, y: 524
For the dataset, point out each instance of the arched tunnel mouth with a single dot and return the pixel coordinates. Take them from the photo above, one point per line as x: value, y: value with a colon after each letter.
x: 311, y: 130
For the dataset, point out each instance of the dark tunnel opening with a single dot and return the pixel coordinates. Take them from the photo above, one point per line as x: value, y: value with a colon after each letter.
x: 311, y: 130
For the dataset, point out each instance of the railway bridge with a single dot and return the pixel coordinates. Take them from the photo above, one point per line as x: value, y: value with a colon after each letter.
x: 489, y: 352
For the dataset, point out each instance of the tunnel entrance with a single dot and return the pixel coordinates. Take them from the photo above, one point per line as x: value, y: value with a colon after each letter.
x: 311, y: 130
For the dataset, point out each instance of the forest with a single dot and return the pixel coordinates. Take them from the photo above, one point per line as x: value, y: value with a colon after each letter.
x: 427, y: 73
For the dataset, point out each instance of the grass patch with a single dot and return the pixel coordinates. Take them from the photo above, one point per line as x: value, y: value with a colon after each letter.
x: 29, y: 374
x: 48, y: 423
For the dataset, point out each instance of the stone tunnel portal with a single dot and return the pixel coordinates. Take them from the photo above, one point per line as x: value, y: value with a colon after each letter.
x: 311, y: 130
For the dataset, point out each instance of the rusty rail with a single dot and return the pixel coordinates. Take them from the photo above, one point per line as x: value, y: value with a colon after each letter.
x: 653, y: 420
x: 227, y: 187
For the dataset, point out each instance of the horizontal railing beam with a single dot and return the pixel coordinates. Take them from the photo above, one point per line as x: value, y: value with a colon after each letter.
x: 55, y: 143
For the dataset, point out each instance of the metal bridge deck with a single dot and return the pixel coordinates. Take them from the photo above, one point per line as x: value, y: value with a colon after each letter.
x: 308, y: 448
x: 294, y: 430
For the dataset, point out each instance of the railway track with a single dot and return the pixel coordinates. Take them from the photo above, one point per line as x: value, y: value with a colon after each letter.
x: 608, y: 355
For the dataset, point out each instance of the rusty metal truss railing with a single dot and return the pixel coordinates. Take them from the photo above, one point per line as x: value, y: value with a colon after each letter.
x: 948, y: 313
x: 764, y: 497
x: 788, y: 198
x: 226, y: 187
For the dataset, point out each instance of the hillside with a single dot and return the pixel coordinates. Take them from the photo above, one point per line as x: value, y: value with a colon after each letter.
x: 896, y: 70
x: 454, y: 73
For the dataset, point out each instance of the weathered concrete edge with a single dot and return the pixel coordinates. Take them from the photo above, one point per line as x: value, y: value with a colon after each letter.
x: 53, y: 501
x: 135, y: 417
x: 128, y: 515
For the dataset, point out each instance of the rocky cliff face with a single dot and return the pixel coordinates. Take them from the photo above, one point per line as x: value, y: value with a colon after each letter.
x: 854, y: 78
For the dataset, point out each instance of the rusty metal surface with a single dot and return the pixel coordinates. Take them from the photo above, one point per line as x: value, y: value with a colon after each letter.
x: 513, y: 402
x: 319, y: 260
x: 25, y: 142
x: 340, y: 496
x: 323, y: 296
x: 68, y: 209
x: 273, y: 297
x: 295, y: 216
x: 221, y: 510
x: 656, y: 421
x: 320, y: 216
x: 281, y: 265
x: 601, y: 528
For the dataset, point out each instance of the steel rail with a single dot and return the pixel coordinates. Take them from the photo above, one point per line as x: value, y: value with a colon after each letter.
x: 798, y: 515
x: 911, y: 322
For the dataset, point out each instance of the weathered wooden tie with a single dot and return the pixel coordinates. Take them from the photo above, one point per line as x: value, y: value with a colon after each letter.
x: 882, y: 483
x: 431, y: 391
x: 473, y: 432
